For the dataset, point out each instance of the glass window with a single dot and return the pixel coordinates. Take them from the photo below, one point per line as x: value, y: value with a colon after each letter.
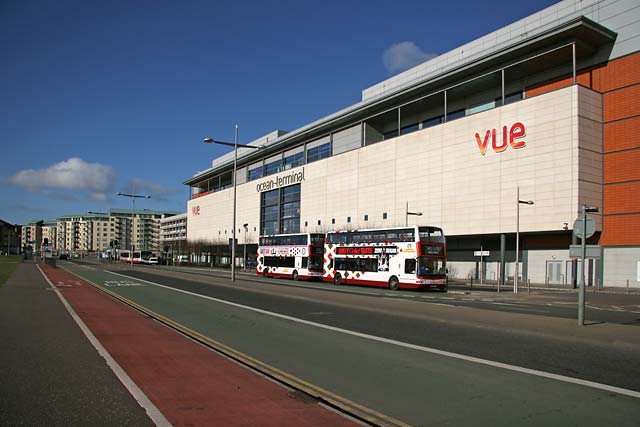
x: 455, y: 114
x: 280, y: 211
x: 509, y: 98
x: 410, y: 266
x: 273, y: 165
x: 319, y: 152
x: 293, y: 160
x: 411, y: 128
x: 226, y: 180
x: 391, y: 134
x: 427, y: 266
x: 255, y: 171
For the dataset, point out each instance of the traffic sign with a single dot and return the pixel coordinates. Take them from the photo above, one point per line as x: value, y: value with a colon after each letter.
x: 481, y: 253
x: 578, y: 227
x: 592, y: 251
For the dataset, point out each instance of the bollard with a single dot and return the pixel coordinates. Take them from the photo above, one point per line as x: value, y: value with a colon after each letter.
x: 627, y: 285
x: 529, y: 286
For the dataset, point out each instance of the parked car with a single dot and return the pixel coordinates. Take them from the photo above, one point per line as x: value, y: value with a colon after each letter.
x: 181, y: 259
x: 63, y: 256
x: 152, y: 260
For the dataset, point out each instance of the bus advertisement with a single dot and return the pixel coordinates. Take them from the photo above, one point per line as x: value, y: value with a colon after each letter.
x: 406, y: 257
x: 294, y: 256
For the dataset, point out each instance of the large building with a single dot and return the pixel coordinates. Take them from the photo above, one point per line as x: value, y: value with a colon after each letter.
x: 546, y: 108
x: 173, y: 234
x: 98, y: 231
x: 9, y: 238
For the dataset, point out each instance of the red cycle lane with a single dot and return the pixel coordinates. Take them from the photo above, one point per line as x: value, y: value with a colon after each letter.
x: 190, y: 384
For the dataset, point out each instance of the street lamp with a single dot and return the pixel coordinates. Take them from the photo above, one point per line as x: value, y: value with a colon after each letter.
x: 407, y: 213
x: 581, y: 291
x: 133, y: 197
x: 244, y: 259
x: 519, y: 202
x: 235, y: 146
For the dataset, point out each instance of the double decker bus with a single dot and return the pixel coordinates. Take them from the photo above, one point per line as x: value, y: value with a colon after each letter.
x: 294, y: 256
x: 404, y: 257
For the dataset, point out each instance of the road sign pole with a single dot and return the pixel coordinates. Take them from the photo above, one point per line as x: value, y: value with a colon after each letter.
x: 584, y: 255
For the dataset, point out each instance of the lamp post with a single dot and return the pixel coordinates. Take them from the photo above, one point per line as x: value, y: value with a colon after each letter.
x: 407, y: 213
x: 244, y: 259
x: 519, y: 202
x: 581, y: 291
x: 180, y: 234
x: 235, y: 146
x: 133, y: 197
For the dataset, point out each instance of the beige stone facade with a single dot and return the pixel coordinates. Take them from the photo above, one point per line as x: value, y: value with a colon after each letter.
x: 441, y: 172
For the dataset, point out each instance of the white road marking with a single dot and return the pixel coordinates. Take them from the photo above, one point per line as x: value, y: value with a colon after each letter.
x: 478, y: 360
x: 142, y: 399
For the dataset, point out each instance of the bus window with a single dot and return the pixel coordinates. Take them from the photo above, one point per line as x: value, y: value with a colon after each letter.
x: 315, y: 262
x: 410, y: 266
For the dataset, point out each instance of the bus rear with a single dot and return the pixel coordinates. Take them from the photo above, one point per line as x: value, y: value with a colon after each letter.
x: 292, y: 256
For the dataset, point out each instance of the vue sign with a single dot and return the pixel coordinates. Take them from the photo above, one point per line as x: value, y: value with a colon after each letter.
x: 510, y: 136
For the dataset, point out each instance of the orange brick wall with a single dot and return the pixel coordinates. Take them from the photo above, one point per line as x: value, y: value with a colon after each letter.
x: 622, y: 103
x: 617, y: 73
x: 583, y: 79
x: 622, y: 135
x: 619, y: 82
x: 621, y: 230
x: 622, y: 166
x: 622, y: 198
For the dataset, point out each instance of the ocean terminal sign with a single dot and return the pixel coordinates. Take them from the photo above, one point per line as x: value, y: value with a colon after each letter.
x: 281, y: 181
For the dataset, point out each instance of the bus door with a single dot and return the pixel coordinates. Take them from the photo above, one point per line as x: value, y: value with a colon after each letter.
x: 408, y: 272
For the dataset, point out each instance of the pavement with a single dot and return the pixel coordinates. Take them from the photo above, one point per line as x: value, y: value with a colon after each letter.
x: 124, y: 368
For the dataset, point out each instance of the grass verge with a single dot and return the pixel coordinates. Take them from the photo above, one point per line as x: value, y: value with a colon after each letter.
x: 7, y: 266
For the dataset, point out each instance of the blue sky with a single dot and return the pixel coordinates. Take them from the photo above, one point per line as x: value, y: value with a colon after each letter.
x: 95, y: 95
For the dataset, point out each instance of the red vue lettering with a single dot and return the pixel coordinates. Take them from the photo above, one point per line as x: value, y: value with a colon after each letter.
x: 511, y: 136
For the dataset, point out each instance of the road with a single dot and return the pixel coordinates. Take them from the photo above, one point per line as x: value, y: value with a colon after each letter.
x: 412, y: 359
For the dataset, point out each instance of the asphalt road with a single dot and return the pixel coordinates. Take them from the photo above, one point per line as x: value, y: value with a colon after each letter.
x: 399, y: 371
x: 601, y: 307
x: 416, y: 322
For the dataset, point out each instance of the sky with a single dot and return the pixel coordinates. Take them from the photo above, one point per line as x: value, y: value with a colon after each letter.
x: 100, y: 97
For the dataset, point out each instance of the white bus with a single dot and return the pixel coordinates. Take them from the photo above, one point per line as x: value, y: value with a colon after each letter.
x: 139, y: 257
x: 404, y: 257
x: 294, y: 256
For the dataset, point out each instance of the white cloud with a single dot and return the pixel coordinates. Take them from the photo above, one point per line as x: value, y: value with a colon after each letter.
x: 156, y: 191
x: 71, y: 174
x: 404, y: 55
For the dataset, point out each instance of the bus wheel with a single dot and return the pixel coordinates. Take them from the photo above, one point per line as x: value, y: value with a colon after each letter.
x: 337, y: 279
x: 394, y: 283
x: 294, y: 275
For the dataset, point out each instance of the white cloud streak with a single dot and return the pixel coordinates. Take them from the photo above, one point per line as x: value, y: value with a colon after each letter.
x: 71, y: 174
x: 156, y: 191
x: 404, y: 55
